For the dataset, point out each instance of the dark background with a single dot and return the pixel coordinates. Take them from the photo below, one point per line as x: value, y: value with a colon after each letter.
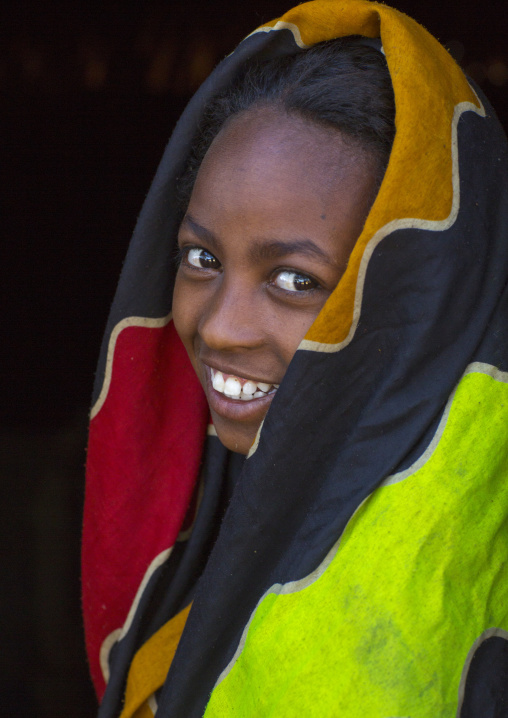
x: 90, y: 93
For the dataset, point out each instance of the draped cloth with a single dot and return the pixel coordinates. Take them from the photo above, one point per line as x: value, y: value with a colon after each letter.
x: 355, y: 563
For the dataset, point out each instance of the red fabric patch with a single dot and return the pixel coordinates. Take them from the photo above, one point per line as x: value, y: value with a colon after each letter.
x: 143, y: 461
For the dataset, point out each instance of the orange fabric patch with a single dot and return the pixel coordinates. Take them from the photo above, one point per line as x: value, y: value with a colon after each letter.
x: 144, y: 712
x: 150, y: 666
x: 421, y: 157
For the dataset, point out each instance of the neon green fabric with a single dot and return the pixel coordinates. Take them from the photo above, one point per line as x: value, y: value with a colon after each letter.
x: 417, y: 556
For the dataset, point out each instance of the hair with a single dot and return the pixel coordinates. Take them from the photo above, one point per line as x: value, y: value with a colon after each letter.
x: 342, y: 84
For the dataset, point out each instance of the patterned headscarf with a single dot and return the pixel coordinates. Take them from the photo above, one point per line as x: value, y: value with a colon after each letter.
x: 355, y: 564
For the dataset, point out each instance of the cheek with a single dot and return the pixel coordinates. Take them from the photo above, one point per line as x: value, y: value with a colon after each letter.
x: 290, y: 328
x: 183, y: 313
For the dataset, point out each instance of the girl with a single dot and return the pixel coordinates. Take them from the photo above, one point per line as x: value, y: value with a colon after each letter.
x: 333, y: 542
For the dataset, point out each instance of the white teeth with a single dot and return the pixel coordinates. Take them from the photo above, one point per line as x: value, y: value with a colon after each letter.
x: 218, y: 381
x: 249, y: 388
x: 232, y: 387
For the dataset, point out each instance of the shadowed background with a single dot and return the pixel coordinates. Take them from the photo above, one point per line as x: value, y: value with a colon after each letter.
x: 90, y: 93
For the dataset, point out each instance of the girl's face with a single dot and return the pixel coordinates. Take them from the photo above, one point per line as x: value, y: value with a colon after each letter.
x: 276, y: 209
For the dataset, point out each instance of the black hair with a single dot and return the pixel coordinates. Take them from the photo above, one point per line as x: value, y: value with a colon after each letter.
x: 342, y: 84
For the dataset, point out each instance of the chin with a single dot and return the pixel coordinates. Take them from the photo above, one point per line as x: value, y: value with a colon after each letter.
x: 235, y: 438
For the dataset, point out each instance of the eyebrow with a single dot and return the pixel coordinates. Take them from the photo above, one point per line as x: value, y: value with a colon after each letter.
x: 201, y: 232
x: 269, y: 250
x: 276, y: 249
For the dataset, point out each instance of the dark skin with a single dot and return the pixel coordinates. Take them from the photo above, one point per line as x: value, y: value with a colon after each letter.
x: 276, y: 209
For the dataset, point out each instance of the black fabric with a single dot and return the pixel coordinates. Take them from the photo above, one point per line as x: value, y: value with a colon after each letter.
x: 486, y: 690
x: 149, y: 293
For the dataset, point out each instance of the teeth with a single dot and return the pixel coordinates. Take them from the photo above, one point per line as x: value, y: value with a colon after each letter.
x: 218, y: 381
x: 232, y: 387
x: 249, y: 388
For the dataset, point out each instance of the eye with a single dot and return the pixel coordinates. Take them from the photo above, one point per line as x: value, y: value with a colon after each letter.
x: 201, y: 258
x: 294, y: 282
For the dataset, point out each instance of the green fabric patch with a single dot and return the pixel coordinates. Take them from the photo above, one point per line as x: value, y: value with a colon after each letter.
x: 420, y: 573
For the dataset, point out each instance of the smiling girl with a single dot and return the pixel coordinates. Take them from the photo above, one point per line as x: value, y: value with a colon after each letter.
x: 297, y: 499
x: 278, y: 204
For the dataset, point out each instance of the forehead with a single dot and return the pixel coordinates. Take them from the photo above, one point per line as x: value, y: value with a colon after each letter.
x: 286, y: 152
x: 267, y: 169
x: 270, y: 177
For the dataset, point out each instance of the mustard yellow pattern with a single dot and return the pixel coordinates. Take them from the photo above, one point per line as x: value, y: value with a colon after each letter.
x: 426, y: 98
x: 150, y: 667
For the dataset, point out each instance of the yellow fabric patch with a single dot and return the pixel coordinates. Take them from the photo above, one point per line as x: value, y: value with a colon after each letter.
x: 143, y: 712
x: 150, y: 666
x: 428, y: 85
x: 420, y: 573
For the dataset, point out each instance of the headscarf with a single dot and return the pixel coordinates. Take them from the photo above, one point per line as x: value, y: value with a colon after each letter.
x: 355, y: 563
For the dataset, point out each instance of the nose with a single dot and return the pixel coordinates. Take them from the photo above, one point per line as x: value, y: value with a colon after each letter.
x: 233, y: 318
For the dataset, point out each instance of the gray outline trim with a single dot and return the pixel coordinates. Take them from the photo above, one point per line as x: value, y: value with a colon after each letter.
x: 152, y: 703
x: 489, y: 633
x: 255, y: 445
x: 406, y: 223
x: 281, y: 589
x: 119, y: 633
x: 474, y: 368
x: 108, y: 370
x: 278, y: 589
x: 282, y: 25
